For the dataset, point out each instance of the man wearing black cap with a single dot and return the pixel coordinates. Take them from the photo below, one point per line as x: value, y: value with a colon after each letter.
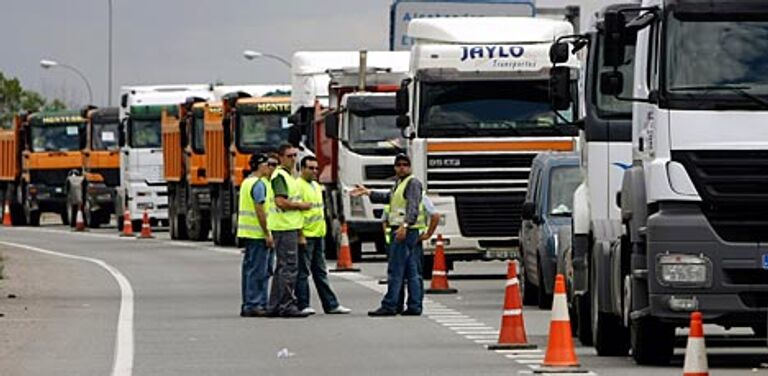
x: 252, y: 230
x: 404, y: 257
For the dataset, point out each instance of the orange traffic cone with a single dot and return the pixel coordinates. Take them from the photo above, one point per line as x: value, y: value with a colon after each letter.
x: 696, y: 350
x: 127, y: 226
x: 439, y: 284
x: 79, y: 222
x: 146, y: 229
x: 512, y: 334
x: 344, y: 257
x: 560, y: 351
x: 7, y: 214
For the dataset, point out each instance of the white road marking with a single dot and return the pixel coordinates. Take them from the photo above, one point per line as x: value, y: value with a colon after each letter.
x: 525, y: 356
x: 124, y: 345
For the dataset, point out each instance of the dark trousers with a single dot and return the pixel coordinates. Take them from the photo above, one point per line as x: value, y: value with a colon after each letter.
x: 312, y: 261
x: 282, y: 298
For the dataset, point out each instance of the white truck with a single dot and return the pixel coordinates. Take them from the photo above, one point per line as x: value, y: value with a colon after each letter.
x: 605, y: 144
x: 142, y: 185
x: 344, y: 102
x: 477, y: 111
x: 694, y: 207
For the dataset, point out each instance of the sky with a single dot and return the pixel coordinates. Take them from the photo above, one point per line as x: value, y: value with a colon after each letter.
x: 178, y: 41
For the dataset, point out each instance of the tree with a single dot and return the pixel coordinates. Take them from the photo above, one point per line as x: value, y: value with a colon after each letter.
x: 13, y: 98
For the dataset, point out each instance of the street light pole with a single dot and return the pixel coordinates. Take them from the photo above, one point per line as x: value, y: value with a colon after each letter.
x: 46, y: 64
x: 251, y: 55
x: 109, y: 59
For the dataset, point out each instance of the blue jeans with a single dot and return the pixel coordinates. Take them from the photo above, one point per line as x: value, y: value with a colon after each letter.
x: 257, y: 265
x: 404, y: 265
x: 312, y: 260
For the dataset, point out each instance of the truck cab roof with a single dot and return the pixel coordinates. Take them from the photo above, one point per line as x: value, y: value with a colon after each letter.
x: 487, y: 30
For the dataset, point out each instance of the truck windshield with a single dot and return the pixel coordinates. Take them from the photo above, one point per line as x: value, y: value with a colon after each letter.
x: 488, y: 108
x: 708, y: 58
x: 198, y: 134
x: 374, y: 134
x: 104, y: 136
x: 563, y: 181
x: 257, y: 131
x: 57, y: 137
x: 145, y: 133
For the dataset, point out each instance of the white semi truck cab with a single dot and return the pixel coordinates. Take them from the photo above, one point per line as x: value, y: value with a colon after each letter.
x: 477, y: 111
x: 694, y: 203
x: 142, y: 185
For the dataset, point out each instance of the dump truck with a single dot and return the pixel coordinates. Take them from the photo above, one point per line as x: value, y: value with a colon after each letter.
x: 249, y: 124
x: 92, y: 188
x: 37, y: 154
x: 346, y: 112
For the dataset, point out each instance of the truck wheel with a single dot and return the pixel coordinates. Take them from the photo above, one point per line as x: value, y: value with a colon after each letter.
x: 32, y: 217
x: 197, y: 224
x: 92, y: 218
x: 609, y: 336
x: 136, y: 224
x: 222, y: 234
x: 544, y: 299
x: 652, y: 341
x: 582, y: 318
x: 330, y: 246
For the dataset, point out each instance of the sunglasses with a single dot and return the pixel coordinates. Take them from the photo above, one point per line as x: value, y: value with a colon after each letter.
x: 402, y: 165
x: 291, y: 155
x: 272, y: 164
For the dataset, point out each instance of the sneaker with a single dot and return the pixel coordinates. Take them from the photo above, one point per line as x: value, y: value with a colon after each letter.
x: 308, y: 311
x: 339, y: 310
x: 381, y: 312
x: 294, y: 314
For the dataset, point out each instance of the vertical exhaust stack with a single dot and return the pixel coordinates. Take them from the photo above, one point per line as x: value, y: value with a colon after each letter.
x: 363, y: 67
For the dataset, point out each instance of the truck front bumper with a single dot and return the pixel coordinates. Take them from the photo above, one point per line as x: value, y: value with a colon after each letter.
x: 153, y: 199
x: 691, y: 268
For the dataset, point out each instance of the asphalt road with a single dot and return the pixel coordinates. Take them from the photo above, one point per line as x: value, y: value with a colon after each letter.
x: 71, y: 316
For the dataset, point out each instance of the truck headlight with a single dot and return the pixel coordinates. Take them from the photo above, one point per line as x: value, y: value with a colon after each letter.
x: 684, y: 270
x: 356, y: 207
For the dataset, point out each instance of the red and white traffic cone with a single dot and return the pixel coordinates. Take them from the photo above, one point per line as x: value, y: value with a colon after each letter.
x: 561, y: 355
x: 146, y: 229
x: 512, y: 334
x: 696, y: 350
x: 80, y: 221
x: 7, y: 214
x: 127, y: 225
x: 344, y: 257
x: 439, y: 284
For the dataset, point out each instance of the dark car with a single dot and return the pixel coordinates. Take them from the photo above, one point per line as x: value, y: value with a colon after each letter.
x: 546, y: 222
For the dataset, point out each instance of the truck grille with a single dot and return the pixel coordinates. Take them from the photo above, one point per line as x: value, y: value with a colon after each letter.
x: 454, y: 173
x: 379, y: 172
x: 489, y: 215
x: 54, y: 177
x: 733, y: 186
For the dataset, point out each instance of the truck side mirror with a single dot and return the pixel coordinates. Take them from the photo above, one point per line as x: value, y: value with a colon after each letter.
x: 124, y: 100
x: 615, y: 27
x: 528, y: 210
x: 332, y: 125
x: 560, y: 88
x: 121, y: 133
x: 402, y: 100
x: 559, y: 53
x: 611, y: 83
x: 403, y: 121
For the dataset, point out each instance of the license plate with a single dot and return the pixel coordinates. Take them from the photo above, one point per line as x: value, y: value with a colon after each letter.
x: 765, y: 261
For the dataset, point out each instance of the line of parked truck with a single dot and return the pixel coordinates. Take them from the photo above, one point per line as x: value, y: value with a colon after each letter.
x: 630, y: 157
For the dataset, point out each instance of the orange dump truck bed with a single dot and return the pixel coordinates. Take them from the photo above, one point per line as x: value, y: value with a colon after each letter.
x: 172, y: 150
x: 10, y: 166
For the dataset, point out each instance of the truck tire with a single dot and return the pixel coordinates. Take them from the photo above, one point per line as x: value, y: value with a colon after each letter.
x: 653, y: 342
x: 331, y: 245
x: 582, y: 318
x: 31, y: 217
x: 222, y: 222
x: 530, y: 292
x: 609, y: 336
x: 136, y: 224
x: 92, y: 218
x: 428, y: 263
x: 356, y: 249
x: 197, y: 224
x: 176, y: 223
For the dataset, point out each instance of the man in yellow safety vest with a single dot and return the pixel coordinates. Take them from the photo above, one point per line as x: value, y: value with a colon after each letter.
x: 312, y: 252
x: 285, y: 220
x: 406, y: 221
x: 252, y: 230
